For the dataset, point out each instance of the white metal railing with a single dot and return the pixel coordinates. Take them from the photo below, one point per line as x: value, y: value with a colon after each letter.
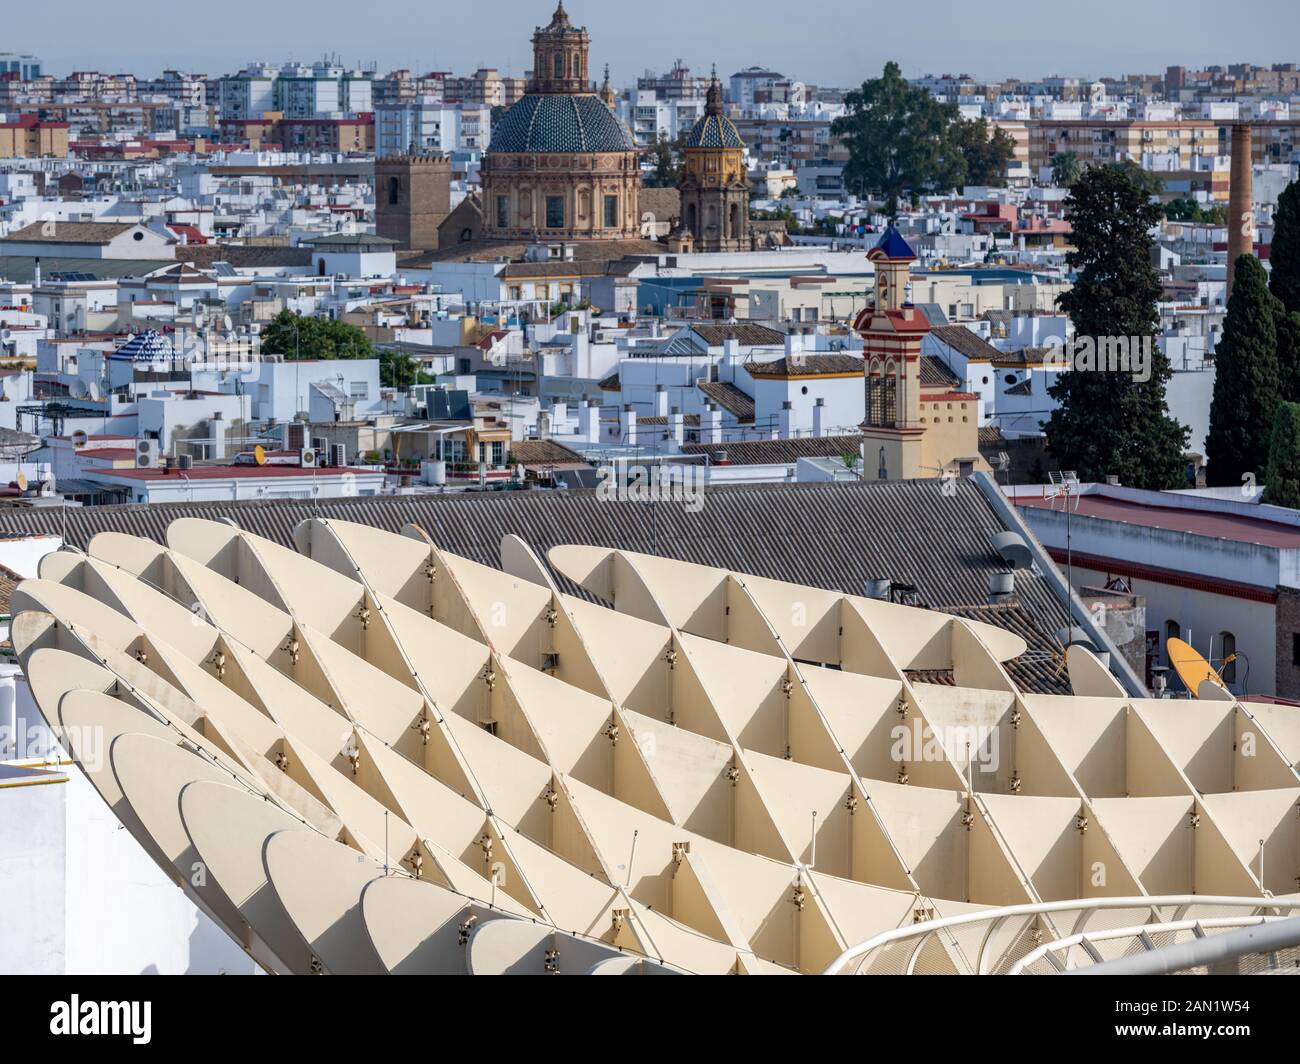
x: 910, y: 941
x: 1139, y: 933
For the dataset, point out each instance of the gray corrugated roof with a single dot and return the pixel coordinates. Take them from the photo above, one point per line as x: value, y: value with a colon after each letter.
x: 21, y: 269
x: 835, y: 536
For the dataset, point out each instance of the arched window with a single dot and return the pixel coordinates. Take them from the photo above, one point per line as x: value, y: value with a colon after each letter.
x: 690, y: 218
x: 1172, y: 631
x: 734, y: 228
x: 1227, y: 656
x: 394, y: 191
x: 559, y: 64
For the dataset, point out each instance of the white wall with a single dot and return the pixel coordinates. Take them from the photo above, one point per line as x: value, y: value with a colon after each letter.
x: 78, y: 894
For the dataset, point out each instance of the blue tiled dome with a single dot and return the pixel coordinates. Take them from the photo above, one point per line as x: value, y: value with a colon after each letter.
x: 560, y: 123
x: 714, y: 131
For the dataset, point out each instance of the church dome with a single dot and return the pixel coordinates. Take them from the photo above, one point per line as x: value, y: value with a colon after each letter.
x: 715, y: 129
x: 560, y: 123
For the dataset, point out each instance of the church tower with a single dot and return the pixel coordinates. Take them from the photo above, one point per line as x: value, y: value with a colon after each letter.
x: 892, y: 333
x: 560, y: 57
x: 714, y: 187
x: 561, y: 166
x: 412, y: 199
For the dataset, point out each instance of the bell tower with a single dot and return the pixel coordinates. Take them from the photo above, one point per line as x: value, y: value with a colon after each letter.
x: 892, y: 333
x: 714, y: 186
x: 560, y: 57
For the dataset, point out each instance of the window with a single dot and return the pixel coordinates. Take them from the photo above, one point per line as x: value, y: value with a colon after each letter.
x: 1295, y: 648
x: 611, y: 212
x: 559, y: 65
x: 554, y: 212
x: 1227, y: 657
x: 503, y: 212
x: 359, y: 389
x: 1172, y: 631
x: 394, y: 191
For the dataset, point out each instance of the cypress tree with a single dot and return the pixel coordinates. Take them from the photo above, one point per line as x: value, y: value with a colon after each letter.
x: 1284, y: 257
x: 1110, y: 422
x: 1287, y: 326
x: 1283, y: 488
x: 1246, y: 381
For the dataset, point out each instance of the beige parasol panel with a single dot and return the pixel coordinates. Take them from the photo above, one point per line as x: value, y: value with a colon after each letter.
x: 371, y: 755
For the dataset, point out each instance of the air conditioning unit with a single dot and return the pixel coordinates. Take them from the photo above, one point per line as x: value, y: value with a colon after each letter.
x: 308, y: 458
x: 339, y: 455
x: 146, y: 454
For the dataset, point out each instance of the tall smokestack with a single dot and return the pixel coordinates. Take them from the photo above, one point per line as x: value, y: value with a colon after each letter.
x: 1241, y: 215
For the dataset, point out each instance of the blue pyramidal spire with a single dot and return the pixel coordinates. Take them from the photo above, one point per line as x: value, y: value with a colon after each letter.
x: 892, y: 245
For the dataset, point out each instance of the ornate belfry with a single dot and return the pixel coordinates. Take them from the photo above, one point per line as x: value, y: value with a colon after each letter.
x: 714, y: 185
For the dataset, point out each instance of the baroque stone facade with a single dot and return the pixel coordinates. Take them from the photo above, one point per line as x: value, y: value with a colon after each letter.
x: 561, y: 166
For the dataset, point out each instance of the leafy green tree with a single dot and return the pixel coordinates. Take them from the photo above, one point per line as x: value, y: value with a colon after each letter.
x: 397, y: 370
x: 295, y: 336
x: 1246, y: 381
x: 987, y: 150
x: 666, y: 155
x: 901, y: 140
x: 1283, y: 485
x: 1110, y: 421
x: 782, y: 214
x: 1285, y: 254
x: 1151, y: 183
x: 1183, y: 209
x: 1065, y: 169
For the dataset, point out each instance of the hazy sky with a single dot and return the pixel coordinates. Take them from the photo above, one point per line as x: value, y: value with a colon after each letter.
x: 828, y: 42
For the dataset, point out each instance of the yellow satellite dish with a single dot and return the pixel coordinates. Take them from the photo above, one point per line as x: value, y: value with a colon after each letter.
x: 21, y: 481
x: 1192, y: 668
x: 259, y: 454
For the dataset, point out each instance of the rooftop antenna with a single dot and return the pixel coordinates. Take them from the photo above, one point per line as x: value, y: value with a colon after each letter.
x: 1064, y: 484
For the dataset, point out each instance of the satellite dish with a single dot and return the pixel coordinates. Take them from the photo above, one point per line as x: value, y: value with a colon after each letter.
x: 227, y: 324
x: 78, y: 390
x: 259, y: 454
x: 1195, y: 672
x: 21, y: 481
